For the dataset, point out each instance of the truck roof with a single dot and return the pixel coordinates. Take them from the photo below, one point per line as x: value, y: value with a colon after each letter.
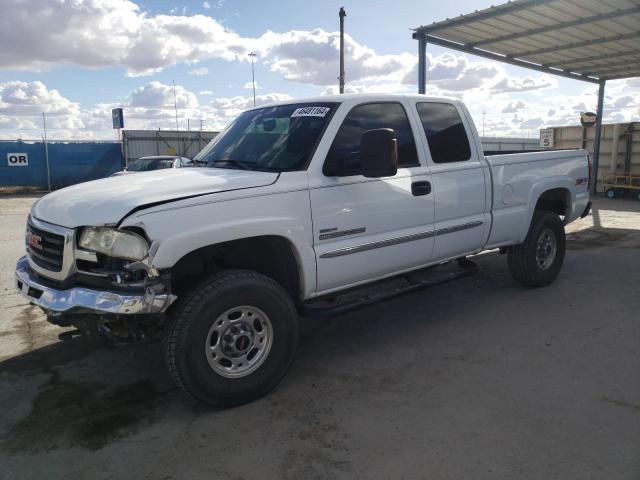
x: 361, y: 97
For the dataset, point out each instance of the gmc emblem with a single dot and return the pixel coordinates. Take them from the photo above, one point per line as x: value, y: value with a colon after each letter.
x: 34, y: 241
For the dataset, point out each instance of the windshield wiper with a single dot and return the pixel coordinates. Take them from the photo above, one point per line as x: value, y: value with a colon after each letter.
x: 243, y: 165
x: 231, y: 163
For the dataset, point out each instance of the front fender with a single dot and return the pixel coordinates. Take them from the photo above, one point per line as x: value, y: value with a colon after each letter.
x: 181, y: 229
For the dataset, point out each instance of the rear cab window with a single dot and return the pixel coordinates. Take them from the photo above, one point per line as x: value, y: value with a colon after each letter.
x: 445, y: 131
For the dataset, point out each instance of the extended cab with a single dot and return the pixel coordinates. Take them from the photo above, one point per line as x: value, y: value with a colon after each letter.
x: 303, y: 206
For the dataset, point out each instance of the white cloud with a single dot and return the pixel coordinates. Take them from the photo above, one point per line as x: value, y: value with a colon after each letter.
x: 312, y: 57
x: 249, y: 86
x: 450, y: 72
x: 150, y: 106
x: 513, y: 107
x: 206, y: 5
x: 199, y: 72
x: 22, y: 105
x: 240, y: 103
x: 531, y: 123
x: 625, y: 101
x: 33, y: 98
x: 102, y: 33
x: 105, y: 33
x: 523, y: 84
x: 370, y: 87
x: 156, y: 95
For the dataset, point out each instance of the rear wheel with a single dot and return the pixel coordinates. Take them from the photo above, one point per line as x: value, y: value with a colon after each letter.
x: 611, y: 193
x: 232, y: 338
x: 537, y: 261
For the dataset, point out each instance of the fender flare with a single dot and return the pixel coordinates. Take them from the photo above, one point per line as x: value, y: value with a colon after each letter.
x: 537, y: 190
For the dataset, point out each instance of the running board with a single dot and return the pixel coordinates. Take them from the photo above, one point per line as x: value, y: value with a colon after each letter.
x: 359, y: 297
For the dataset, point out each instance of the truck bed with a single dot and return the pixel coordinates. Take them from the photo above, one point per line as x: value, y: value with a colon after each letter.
x: 519, y: 179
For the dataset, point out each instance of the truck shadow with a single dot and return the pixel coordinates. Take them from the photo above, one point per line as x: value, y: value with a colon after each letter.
x: 84, y: 394
x: 80, y: 393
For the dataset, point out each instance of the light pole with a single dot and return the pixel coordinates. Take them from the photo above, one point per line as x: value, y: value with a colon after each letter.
x: 484, y: 114
x: 253, y: 77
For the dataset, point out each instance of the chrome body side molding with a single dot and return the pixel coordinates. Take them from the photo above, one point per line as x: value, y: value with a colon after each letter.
x: 342, y: 233
x: 398, y: 240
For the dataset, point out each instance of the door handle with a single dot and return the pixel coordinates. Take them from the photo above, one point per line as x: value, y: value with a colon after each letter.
x: 420, y: 188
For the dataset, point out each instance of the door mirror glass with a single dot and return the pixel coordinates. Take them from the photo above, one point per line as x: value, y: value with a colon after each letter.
x: 269, y: 124
x: 379, y: 153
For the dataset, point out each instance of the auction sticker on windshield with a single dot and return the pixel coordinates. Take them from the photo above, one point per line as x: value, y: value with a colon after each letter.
x: 310, y: 112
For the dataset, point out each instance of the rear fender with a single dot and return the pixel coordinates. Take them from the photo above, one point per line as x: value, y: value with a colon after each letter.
x: 537, y: 190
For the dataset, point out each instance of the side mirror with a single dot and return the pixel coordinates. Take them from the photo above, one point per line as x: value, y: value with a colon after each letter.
x: 379, y: 153
x: 269, y: 124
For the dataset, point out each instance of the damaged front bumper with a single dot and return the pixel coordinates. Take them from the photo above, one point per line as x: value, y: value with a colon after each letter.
x: 79, y: 299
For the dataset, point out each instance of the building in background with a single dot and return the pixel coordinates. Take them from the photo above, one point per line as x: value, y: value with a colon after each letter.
x: 492, y: 145
x: 619, y: 146
x: 146, y: 143
x: 36, y: 164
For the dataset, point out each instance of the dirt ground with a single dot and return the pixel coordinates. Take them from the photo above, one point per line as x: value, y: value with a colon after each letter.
x: 470, y: 380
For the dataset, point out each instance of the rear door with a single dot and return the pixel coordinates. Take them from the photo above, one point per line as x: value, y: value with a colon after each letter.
x: 459, y: 176
x: 366, y: 228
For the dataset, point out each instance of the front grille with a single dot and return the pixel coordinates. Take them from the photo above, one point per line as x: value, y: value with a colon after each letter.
x: 49, y: 251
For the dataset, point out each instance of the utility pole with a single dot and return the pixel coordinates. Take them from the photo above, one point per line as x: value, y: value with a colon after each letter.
x: 341, y: 14
x: 253, y: 76
x: 46, y: 151
x: 175, y: 106
x: 200, y: 141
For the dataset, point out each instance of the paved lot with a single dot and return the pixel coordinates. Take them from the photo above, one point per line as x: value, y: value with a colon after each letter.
x: 471, y: 380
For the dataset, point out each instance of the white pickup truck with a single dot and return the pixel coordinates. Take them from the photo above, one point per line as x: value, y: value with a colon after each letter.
x: 307, y: 207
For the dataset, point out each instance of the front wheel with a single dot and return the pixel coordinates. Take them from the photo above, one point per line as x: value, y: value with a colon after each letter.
x: 232, y: 338
x: 537, y: 261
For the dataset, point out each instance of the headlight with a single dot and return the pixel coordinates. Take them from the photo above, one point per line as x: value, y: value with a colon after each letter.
x: 114, y: 243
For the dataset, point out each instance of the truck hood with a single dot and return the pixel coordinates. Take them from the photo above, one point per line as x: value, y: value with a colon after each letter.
x: 109, y: 200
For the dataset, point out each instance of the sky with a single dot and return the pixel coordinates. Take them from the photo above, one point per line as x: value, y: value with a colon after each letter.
x: 75, y: 60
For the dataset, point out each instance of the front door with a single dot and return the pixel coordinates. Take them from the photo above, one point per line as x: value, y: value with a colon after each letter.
x: 367, y: 228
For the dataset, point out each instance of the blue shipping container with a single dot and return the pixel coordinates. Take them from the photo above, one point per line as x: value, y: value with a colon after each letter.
x: 69, y: 163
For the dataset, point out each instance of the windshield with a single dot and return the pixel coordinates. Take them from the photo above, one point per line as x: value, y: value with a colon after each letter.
x: 146, y: 164
x: 274, y: 139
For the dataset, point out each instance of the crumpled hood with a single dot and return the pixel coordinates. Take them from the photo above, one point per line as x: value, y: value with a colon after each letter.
x: 108, y: 200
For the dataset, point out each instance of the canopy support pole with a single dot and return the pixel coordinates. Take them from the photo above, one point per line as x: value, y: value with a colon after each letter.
x: 598, y: 134
x: 422, y: 62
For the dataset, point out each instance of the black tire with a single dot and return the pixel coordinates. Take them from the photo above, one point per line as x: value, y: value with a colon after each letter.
x: 524, y: 266
x: 192, y: 319
x: 610, y: 193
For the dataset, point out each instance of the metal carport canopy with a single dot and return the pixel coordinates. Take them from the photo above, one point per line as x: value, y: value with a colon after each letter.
x: 589, y: 40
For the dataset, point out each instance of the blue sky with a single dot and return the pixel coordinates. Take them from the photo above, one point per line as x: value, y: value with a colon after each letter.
x: 76, y: 59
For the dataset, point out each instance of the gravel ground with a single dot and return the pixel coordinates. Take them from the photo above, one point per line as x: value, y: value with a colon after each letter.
x: 474, y: 379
